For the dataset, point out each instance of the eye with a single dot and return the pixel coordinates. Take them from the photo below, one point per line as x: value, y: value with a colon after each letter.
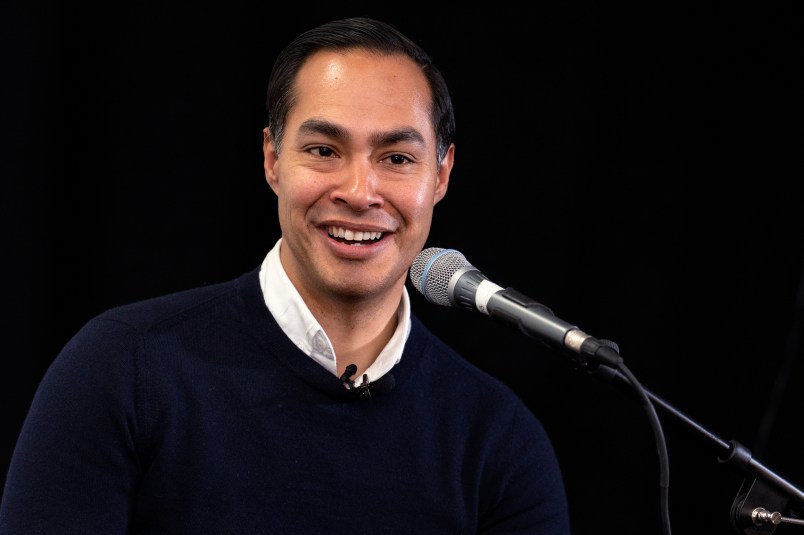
x: 321, y: 151
x: 398, y: 159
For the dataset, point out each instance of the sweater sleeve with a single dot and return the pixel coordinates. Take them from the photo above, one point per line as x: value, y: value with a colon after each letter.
x: 75, y: 464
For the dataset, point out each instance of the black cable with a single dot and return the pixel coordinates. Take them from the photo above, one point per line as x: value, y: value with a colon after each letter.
x: 661, y: 445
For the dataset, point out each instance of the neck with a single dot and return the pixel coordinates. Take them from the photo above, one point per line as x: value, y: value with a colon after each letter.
x: 358, y: 331
x: 353, y: 346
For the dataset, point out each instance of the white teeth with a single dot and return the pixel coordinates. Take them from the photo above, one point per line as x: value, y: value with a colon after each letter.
x: 353, y: 235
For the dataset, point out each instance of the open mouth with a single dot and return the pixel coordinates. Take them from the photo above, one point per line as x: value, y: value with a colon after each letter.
x: 353, y: 237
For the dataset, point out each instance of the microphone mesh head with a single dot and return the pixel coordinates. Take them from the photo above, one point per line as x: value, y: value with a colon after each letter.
x: 432, y: 270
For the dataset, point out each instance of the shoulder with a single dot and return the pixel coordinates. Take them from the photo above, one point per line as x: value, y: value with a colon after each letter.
x: 523, y: 481
x: 444, y: 358
x: 124, y: 329
x: 456, y: 376
x: 152, y: 312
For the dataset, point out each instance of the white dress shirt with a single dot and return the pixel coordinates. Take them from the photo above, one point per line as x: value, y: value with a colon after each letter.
x: 296, y: 320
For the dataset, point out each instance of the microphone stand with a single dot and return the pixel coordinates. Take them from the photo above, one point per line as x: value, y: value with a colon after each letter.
x: 760, y: 503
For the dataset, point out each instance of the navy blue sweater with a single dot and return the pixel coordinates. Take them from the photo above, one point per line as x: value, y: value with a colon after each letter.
x: 193, y: 413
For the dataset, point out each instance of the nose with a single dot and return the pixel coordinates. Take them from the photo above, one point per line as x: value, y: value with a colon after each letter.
x: 358, y: 187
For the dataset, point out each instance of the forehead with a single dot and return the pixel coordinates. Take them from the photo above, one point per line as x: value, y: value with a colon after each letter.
x: 357, y: 87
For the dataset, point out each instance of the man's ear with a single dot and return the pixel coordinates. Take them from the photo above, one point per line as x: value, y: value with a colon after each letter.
x: 269, y: 158
x: 444, y: 169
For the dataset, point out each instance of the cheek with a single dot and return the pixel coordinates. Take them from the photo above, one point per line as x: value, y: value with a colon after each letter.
x: 297, y: 191
x: 416, y: 205
x: 292, y: 205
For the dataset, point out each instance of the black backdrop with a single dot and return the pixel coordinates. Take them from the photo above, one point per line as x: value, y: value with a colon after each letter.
x: 637, y: 169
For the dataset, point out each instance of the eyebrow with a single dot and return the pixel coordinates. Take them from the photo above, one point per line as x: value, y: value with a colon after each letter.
x: 397, y: 136
x: 329, y: 129
x: 317, y: 126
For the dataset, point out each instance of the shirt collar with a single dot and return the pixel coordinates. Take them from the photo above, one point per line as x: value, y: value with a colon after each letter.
x: 299, y: 324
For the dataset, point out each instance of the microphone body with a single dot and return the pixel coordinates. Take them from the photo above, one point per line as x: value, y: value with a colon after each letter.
x: 445, y: 277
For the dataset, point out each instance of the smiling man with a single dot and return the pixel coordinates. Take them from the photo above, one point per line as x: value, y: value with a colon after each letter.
x: 357, y: 179
x: 303, y: 396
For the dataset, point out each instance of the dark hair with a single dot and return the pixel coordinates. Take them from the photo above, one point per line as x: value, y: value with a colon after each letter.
x: 361, y: 33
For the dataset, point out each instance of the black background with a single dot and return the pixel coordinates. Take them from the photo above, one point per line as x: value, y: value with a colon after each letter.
x: 637, y: 168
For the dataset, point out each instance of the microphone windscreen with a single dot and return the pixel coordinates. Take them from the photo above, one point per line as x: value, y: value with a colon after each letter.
x: 432, y: 270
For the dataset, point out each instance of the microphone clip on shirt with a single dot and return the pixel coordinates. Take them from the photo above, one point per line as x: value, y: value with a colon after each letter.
x: 384, y: 384
x: 346, y: 378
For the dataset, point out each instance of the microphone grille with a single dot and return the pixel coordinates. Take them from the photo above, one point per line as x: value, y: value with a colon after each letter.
x: 432, y: 270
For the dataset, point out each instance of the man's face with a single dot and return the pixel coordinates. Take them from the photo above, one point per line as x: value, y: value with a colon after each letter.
x: 357, y: 177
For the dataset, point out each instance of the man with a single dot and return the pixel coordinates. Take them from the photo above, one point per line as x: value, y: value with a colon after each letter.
x: 303, y: 396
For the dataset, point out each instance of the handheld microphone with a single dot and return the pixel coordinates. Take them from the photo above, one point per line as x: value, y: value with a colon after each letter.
x: 445, y: 277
